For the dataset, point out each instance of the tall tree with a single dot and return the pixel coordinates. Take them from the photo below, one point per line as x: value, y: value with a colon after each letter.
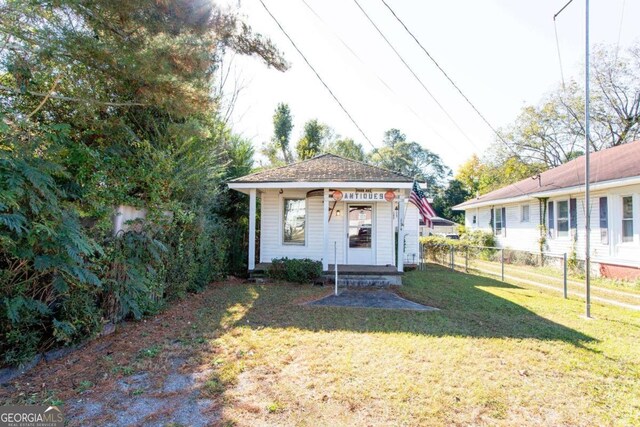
x: 484, y: 175
x: 454, y: 194
x: 311, y: 142
x: 282, y: 126
x: 552, y: 132
x: 346, y: 147
x: 411, y: 159
x: 105, y: 103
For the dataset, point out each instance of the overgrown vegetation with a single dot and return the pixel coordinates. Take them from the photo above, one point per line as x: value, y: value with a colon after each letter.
x: 103, y: 104
x: 295, y: 270
x: 476, y: 243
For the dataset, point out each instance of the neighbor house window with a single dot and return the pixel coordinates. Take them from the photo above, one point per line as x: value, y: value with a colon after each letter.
x: 499, y: 221
x: 627, y: 219
x: 474, y: 220
x: 563, y: 218
x: 604, y: 221
x: 294, y: 221
x: 524, y: 213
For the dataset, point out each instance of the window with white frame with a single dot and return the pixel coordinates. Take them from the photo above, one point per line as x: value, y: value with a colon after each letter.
x: 524, y: 213
x: 499, y: 221
x: 474, y: 220
x: 293, y: 221
x: 563, y: 218
x: 627, y: 219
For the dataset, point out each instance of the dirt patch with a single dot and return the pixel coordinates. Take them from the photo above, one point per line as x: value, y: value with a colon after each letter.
x: 146, y: 370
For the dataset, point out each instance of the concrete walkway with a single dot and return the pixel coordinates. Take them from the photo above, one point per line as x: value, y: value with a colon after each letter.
x: 370, y: 299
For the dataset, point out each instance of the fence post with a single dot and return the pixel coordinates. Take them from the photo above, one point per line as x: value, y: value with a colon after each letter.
x: 466, y: 260
x: 502, y: 262
x: 564, y: 265
x: 452, y: 265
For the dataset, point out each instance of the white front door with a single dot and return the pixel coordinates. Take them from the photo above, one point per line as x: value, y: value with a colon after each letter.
x: 360, y: 234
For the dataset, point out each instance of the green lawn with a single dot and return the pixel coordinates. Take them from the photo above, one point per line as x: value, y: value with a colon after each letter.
x: 495, y: 354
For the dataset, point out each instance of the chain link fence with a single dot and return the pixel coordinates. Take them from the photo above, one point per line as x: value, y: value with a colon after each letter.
x: 552, y: 271
x: 541, y: 269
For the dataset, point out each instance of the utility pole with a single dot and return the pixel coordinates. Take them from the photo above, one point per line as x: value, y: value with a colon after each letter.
x: 587, y: 258
x: 587, y: 168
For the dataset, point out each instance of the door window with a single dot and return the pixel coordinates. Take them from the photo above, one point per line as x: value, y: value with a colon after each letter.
x: 360, y: 226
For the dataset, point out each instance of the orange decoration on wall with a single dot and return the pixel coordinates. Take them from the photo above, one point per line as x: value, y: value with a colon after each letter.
x: 389, y: 196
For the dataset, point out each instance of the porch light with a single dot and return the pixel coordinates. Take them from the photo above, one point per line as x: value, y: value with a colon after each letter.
x: 338, y: 213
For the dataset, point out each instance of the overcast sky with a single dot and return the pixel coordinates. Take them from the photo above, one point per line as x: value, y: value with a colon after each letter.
x: 501, y: 53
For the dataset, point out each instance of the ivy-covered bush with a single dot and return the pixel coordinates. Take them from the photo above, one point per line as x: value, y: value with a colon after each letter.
x: 295, y: 270
x: 79, y: 136
x: 478, y: 243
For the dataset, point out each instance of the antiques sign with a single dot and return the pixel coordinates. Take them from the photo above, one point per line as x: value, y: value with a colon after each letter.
x: 364, y: 196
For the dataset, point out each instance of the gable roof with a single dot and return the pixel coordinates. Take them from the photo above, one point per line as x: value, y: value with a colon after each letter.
x: 325, y: 168
x: 611, y: 164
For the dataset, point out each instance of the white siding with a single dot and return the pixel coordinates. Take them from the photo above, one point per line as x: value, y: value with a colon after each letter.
x: 525, y: 235
x: 337, y: 233
x: 412, y: 234
x: 385, y: 234
x: 271, y: 246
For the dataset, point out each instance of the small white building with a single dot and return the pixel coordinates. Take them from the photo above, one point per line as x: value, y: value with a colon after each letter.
x: 334, y: 210
x: 552, y: 206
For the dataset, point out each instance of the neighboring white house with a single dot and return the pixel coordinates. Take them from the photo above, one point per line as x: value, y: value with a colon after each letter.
x: 311, y: 207
x: 439, y: 227
x: 552, y: 205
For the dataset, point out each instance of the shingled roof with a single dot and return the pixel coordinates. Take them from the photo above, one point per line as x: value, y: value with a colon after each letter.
x: 613, y: 163
x: 325, y: 168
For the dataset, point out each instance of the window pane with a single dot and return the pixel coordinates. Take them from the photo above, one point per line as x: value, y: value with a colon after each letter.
x: 294, y: 219
x: 525, y: 213
x: 360, y: 222
x: 627, y: 207
x: 498, y: 221
x: 563, y: 218
x: 604, y: 221
x: 627, y: 219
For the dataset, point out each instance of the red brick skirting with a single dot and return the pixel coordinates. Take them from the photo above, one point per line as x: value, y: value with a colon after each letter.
x: 619, y: 271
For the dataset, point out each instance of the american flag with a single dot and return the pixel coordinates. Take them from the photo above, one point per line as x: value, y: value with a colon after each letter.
x: 418, y: 198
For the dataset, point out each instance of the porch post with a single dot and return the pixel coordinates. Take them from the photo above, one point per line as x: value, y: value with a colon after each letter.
x: 401, y: 233
x: 325, y: 231
x: 252, y: 229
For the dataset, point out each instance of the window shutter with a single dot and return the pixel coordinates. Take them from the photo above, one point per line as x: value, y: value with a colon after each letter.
x: 504, y: 221
x: 573, y: 218
x: 491, y: 221
x: 604, y: 221
x: 550, y: 225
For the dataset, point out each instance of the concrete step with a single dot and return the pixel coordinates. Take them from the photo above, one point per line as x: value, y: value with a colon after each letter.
x: 358, y: 281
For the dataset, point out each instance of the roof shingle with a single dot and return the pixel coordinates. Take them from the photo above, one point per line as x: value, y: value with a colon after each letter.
x: 325, y: 168
x: 613, y: 163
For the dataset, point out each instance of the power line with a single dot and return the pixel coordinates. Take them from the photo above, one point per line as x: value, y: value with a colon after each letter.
x: 495, y: 131
x: 555, y: 29
x: 563, y: 8
x: 368, y: 68
x: 620, y: 30
x: 318, y: 76
x: 414, y: 74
